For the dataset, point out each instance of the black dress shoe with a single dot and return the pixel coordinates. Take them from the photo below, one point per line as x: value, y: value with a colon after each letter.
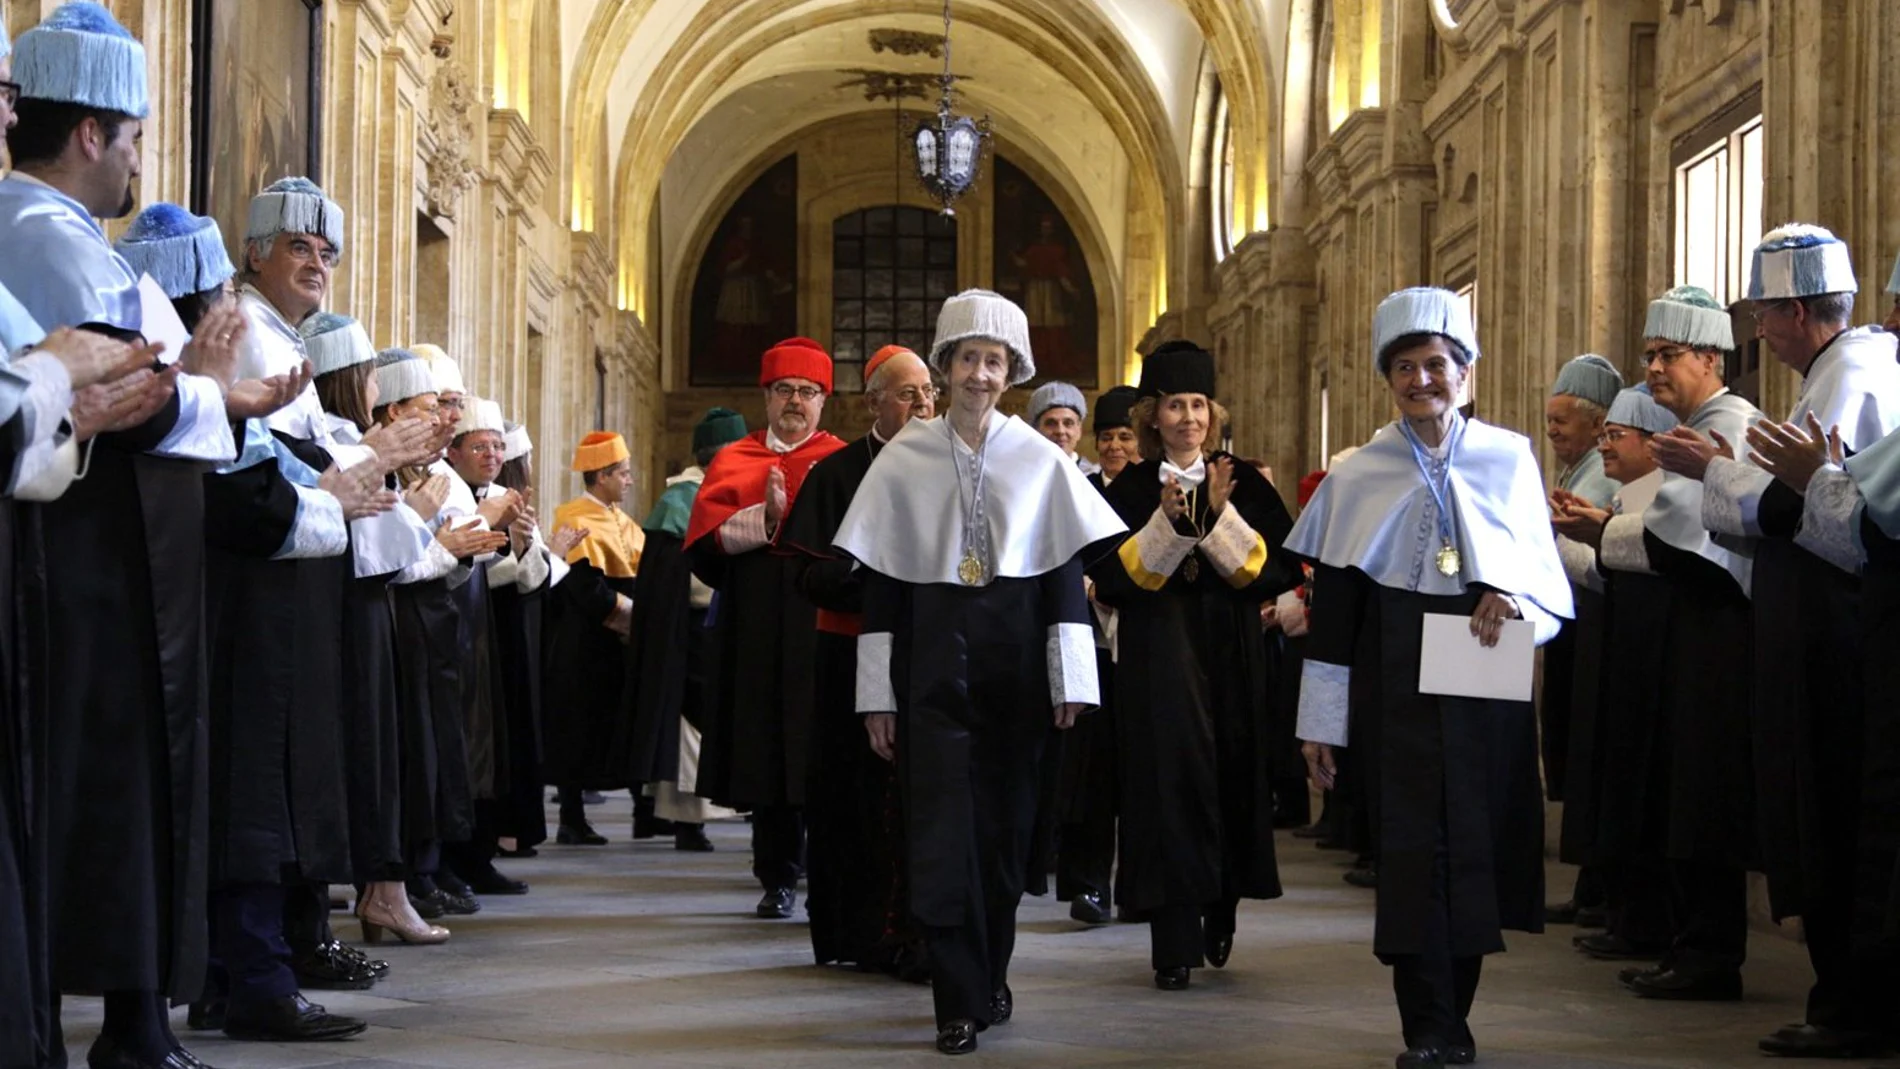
x: 492, y: 882
x: 289, y: 1020
x: 957, y: 1037
x: 1089, y: 908
x: 1216, y: 946
x: 1678, y: 986
x: 593, y: 798
x: 526, y: 851
x: 692, y: 839
x: 206, y: 1015
x: 428, y: 907
x: 645, y: 827
x: 1462, y: 1052
x: 1175, y: 979
x: 1561, y: 913
x: 1367, y: 877
x: 1002, y: 1006
x: 579, y: 835
x: 1813, y: 1041
x: 1629, y: 976
x: 1592, y: 917
x: 1607, y: 946
x: 1421, y: 1058
x: 328, y: 969
x: 777, y: 905
x: 108, y: 1053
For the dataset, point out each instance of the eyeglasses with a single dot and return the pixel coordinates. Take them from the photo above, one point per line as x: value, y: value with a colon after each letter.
x: 10, y: 92
x: 911, y: 395
x: 785, y: 391
x: 304, y: 249
x: 1667, y: 356
x: 1762, y: 308
x: 485, y: 448
x: 1613, y: 436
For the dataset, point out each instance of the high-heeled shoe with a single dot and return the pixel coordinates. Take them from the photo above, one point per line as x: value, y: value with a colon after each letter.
x: 377, y: 917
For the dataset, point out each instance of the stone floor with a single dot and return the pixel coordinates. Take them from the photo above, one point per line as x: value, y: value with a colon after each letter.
x: 636, y: 955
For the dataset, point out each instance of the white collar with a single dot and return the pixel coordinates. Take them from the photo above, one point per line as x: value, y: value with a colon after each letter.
x: 1189, y: 477
x: 777, y: 444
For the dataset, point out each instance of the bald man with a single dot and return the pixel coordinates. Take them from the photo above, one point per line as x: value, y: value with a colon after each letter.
x: 854, y: 845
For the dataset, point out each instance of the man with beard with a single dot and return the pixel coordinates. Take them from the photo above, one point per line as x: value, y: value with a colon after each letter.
x: 1573, y: 418
x: 670, y: 608
x: 757, y: 738
x: 588, y: 732
x: 1809, y: 725
x: 124, y: 551
x: 854, y: 846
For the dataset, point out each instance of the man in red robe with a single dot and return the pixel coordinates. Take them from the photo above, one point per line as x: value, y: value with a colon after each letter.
x: 755, y: 750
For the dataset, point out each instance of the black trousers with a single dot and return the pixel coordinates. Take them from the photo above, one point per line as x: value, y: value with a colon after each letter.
x: 1434, y: 989
x: 1085, y: 856
x: 1177, y: 935
x: 1638, y: 900
x: 306, y: 917
x: 247, y: 938
x: 476, y: 857
x: 1856, y: 988
x: 778, y: 846
x: 1710, y: 904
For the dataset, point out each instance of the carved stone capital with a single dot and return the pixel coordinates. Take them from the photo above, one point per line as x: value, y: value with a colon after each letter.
x: 451, y: 121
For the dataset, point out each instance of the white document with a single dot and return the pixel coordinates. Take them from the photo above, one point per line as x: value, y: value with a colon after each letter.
x: 1452, y: 663
x: 161, y: 322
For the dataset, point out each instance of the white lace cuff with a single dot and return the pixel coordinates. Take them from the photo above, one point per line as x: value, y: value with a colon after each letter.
x: 1731, y: 497
x: 1830, y: 520
x: 874, y: 673
x: 318, y: 530
x: 1623, y: 548
x: 1234, y: 549
x: 1580, y: 564
x: 1072, y: 665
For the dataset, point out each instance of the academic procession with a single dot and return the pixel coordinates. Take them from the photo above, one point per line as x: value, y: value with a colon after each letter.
x: 316, y: 689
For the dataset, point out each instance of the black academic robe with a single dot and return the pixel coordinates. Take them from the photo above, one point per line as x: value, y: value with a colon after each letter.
x: 756, y: 750
x: 484, y: 704
x: 1877, y: 869
x: 590, y: 742
x: 27, y: 1025
x: 1437, y: 770
x: 125, y: 724
x: 438, y: 803
x: 520, y: 642
x: 1705, y: 764
x: 1611, y: 815
x: 1567, y: 705
x: 662, y: 687
x: 373, y: 754
x: 1196, y: 741
x: 854, y: 842
x: 1809, y: 721
x: 275, y: 628
x: 1085, y: 780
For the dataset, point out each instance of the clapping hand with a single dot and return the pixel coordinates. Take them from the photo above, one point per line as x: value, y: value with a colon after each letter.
x: 1220, y: 484
x: 1684, y: 452
x: 428, y: 496
x: 358, y: 489
x: 91, y: 358
x: 501, y: 511
x: 123, y: 404
x: 256, y: 398
x: 563, y: 541
x: 214, y: 346
x: 465, y: 542
x: 1784, y: 451
x: 405, y: 443
x: 1577, y: 519
x: 776, y: 499
x: 1173, y: 500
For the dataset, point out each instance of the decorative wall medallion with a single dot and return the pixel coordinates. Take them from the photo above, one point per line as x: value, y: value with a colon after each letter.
x: 893, y: 85
x: 450, y: 174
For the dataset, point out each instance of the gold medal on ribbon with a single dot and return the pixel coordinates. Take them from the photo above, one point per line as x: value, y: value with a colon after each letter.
x: 970, y: 570
x: 1191, y: 568
x: 1449, y: 563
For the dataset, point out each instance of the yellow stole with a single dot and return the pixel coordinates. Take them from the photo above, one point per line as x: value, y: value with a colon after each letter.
x: 614, y: 541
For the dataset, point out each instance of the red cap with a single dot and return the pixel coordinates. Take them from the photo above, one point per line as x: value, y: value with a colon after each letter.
x: 1310, y: 484
x: 796, y: 358
x: 878, y: 358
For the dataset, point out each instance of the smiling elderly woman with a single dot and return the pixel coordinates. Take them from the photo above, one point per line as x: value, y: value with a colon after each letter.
x: 1442, y: 515
x: 972, y: 531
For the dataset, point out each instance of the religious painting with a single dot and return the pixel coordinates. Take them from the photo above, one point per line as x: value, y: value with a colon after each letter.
x: 745, y: 295
x: 1039, y: 265
x: 255, y: 117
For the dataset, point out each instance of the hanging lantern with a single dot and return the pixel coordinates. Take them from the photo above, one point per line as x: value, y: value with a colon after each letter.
x: 949, y: 147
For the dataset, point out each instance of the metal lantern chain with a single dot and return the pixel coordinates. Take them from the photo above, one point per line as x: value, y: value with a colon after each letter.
x: 950, y: 150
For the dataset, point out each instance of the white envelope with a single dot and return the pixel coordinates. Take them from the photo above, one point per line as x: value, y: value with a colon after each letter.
x: 1451, y: 661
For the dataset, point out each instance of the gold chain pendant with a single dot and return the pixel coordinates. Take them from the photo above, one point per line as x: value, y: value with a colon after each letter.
x: 1191, y: 568
x: 1449, y: 563
x: 970, y: 570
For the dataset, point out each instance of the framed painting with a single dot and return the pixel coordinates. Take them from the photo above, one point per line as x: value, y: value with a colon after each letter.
x: 1039, y: 265
x: 255, y: 115
x: 745, y: 293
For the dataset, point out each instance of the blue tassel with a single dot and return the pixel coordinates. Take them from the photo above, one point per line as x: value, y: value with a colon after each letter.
x: 81, y: 55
